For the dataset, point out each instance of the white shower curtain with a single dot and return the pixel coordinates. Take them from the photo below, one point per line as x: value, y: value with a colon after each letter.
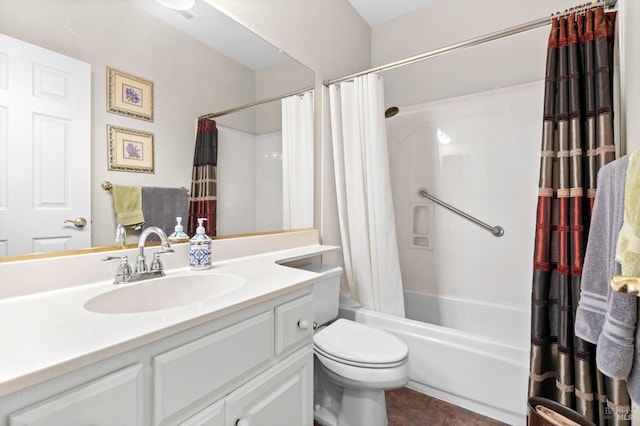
x: 297, y: 164
x: 363, y: 187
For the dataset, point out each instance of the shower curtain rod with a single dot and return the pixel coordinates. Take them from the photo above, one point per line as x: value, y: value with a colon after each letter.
x: 497, y: 231
x: 531, y: 25
x: 264, y: 101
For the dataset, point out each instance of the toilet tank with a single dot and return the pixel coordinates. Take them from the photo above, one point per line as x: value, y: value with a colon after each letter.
x: 326, y: 292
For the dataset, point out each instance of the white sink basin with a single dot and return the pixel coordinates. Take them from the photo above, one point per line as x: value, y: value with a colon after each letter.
x: 164, y: 293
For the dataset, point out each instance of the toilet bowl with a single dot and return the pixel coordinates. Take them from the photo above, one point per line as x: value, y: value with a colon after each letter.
x: 354, y: 363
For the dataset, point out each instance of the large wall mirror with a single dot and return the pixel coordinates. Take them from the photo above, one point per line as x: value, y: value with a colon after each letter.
x: 197, y: 61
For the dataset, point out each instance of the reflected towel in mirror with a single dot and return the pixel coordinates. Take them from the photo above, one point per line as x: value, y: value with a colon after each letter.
x: 161, y: 206
x: 127, y: 205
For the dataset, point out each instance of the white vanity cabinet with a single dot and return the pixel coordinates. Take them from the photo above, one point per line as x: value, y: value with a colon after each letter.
x: 87, y: 403
x: 250, y: 367
x: 283, y: 394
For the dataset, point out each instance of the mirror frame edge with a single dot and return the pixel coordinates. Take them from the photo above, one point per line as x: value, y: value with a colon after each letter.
x: 65, y: 253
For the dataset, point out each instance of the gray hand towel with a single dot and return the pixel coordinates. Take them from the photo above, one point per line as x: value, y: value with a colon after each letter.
x: 161, y: 206
x: 604, y: 316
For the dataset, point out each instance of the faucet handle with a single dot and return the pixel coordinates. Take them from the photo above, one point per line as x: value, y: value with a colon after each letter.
x: 123, y: 272
x: 156, y: 263
x: 110, y: 259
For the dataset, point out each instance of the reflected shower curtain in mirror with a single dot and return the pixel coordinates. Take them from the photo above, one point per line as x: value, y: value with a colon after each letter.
x: 363, y: 189
x: 203, y: 199
x: 297, y: 165
x: 577, y: 141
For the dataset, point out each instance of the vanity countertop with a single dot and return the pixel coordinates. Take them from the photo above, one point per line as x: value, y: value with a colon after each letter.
x: 45, y: 334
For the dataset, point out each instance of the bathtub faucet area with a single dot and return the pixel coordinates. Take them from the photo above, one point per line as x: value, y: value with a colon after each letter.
x: 142, y: 272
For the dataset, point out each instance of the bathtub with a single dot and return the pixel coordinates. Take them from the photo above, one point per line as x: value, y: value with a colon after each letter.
x: 471, y: 354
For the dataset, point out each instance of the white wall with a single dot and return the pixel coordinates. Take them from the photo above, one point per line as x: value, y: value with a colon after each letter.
x: 629, y: 37
x: 501, y: 63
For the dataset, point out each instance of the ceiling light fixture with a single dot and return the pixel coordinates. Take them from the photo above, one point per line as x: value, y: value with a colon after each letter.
x: 177, y: 4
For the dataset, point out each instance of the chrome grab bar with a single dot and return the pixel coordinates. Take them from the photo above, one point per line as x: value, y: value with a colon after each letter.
x: 497, y: 231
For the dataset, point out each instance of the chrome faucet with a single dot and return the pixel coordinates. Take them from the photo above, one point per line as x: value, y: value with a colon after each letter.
x: 121, y: 235
x: 142, y: 271
x: 156, y: 264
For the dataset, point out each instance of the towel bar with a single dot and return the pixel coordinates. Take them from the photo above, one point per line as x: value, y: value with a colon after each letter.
x: 497, y: 231
x: 108, y: 186
x: 626, y: 284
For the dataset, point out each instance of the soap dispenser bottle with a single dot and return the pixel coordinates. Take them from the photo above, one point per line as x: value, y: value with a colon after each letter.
x: 200, y: 249
x: 178, y: 236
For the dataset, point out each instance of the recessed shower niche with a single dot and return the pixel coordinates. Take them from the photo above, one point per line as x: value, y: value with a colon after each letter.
x: 421, y: 226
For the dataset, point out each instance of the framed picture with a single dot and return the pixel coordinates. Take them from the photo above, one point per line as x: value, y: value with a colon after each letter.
x: 129, y: 95
x: 130, y: 150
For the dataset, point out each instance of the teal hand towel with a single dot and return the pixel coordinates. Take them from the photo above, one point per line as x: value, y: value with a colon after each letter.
x: 127, y: 205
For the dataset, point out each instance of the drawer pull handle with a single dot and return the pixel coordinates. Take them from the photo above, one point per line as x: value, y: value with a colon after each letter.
x: 303, y: 325
x: 242, y: 422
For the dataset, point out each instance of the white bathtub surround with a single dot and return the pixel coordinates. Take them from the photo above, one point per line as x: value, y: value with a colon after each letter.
x: 365, y: 206
x: 479, y: 365
x: 480, y: 154
x: 297, y: 161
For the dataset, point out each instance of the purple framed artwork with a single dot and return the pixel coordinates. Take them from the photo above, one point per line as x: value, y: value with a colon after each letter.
x: 129, y: 95
x: 130, y: 150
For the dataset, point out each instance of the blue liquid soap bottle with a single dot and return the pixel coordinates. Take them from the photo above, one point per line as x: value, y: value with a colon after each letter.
x: 200, y: 249
x: 178, y: 236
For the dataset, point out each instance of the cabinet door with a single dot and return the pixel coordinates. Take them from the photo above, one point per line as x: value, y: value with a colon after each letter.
x: 281, y: 396
x: 115, y: 399
x: 213, y: 415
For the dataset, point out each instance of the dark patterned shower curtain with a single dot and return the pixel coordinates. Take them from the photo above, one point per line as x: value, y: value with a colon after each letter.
x: 577, y: 141
x: 202, y: 202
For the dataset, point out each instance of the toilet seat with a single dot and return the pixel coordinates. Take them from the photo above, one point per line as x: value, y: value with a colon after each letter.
x: 324, y: 354
x: 359, y: 345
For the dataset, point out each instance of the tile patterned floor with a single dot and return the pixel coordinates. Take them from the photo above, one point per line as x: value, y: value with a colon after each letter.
x: 406, y: 407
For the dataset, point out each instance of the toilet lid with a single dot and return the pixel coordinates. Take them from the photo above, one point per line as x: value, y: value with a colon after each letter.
x: 360, y: 343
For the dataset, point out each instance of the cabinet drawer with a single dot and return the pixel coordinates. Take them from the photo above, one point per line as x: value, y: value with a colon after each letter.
x: 190, y: 372
x: 115, y: 399
x: 294, y: 324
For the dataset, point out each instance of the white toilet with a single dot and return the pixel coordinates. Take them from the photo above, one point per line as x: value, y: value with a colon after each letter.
x: 354, y: 363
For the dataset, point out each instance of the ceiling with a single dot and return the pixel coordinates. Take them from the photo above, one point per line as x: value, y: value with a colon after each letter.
x: 377, y: 12
x: 214, y: 28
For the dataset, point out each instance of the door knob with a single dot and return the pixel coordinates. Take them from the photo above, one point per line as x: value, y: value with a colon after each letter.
x: 80, y: 222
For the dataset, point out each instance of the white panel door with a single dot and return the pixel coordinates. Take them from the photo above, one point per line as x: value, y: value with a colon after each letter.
x: 45, y: 149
